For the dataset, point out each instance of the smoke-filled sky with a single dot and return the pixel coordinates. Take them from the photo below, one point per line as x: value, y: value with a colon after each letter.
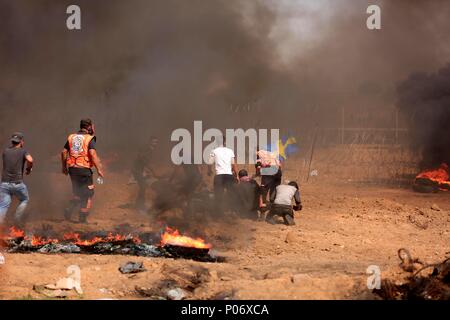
x: 146, y: 67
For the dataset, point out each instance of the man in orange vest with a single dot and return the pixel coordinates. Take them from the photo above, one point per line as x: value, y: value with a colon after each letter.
x: 78, y: 158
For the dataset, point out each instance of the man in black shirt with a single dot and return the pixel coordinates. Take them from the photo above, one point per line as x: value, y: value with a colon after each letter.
x: 14, y: 160
x: 248, y: 193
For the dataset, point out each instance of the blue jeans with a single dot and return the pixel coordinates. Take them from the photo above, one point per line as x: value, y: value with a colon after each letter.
x: 7, y: 191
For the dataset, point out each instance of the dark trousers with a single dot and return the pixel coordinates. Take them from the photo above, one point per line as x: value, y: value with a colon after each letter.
x: 83, y: 192
x: 280, y: 210
x: 269, y: 184
x: 142, y: 189
x: 224, y: 192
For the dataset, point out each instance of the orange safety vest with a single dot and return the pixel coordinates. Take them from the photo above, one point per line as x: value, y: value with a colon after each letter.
x: 79, y: 151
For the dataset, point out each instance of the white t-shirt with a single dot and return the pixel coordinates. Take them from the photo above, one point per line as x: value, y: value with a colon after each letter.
x: 222, y: 157
x: 284, y: 195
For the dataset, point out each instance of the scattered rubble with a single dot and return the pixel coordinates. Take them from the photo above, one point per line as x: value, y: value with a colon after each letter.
x: 421, y: 222
x: 434, y: 286
x: 132, y: 267
x: 178, y: 284
x: 435, y: 207
x: 64, y: 288
x: 66, y: 284
x: 176, y: 294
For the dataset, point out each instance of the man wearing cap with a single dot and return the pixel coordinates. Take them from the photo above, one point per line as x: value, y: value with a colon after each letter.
x: 77, y: 158
x: 16, y: 160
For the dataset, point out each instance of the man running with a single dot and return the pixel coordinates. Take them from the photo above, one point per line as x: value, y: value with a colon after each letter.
x: 16, y: 160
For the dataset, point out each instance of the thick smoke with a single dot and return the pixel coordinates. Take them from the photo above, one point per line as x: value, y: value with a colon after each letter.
x: 145, y: 67
x: 349, y: 66
x: 426, y: 98
x: 137, y: 67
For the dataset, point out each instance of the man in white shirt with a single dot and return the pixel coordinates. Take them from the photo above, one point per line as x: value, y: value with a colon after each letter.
x: 223, y: 159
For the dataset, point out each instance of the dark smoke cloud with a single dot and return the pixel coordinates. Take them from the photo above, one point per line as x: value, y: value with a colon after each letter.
x: 355, y: 67
x: 426, y: 98
x: 137, y: 67
x: 145, y: 67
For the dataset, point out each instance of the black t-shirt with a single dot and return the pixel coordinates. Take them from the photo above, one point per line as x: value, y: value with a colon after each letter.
x: 13, y: 164
x: 248, y: 193
x: 142, y: 161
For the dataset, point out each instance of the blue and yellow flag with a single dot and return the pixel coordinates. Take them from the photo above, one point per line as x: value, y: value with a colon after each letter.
x: 287, y: 146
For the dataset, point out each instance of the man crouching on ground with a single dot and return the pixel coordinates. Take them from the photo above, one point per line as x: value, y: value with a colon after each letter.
x: 281, y: 203
x: 78, y: 158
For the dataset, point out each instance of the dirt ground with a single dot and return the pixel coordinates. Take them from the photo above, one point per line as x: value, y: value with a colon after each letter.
x: 342, y: 230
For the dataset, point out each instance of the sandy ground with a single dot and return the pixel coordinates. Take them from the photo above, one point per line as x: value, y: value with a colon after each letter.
x: 343, y: 229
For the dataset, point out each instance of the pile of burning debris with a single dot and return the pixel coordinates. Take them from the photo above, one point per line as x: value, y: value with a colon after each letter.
x: 434, y: 180
x: 434, y: 286
x: 171, y: 245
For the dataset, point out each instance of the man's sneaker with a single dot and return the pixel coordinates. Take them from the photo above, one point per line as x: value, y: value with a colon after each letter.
x: 83, y: 218
x: 271, y: 220
x: 289, y: 220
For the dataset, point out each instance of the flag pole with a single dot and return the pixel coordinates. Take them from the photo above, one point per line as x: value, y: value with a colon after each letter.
x: 313, y: 146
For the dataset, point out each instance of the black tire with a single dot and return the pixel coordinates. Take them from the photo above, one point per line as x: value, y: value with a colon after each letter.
x: 425, y: 188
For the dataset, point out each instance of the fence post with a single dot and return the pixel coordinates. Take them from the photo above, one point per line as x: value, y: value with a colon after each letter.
x: 396, y: 126
x: 343, y: 125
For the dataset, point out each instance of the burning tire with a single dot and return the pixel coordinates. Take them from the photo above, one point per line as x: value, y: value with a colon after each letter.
x: 425, y: 188
x: 433, y: 180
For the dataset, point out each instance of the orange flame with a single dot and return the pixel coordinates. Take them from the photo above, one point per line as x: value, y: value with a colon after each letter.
x: 170, y: 237
x: 173, y: 237
x: 16, y: 233
x: 40, y: 241
x: 35, y: 240
x: 69, y: 237
x: 75, y: 238
x: 440, y: 176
